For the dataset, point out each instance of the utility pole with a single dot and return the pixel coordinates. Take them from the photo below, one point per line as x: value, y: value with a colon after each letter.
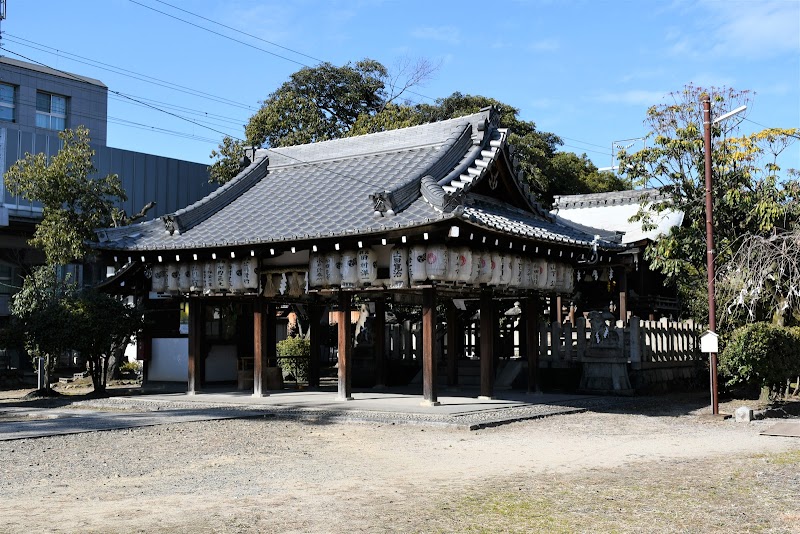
x: 705, y: 99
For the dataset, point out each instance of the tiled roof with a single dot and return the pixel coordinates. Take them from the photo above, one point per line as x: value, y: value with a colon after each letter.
x: 610, y: 213
x: 360, y: 185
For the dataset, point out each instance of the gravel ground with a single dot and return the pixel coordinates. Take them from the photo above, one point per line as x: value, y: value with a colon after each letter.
x: 632, y: 465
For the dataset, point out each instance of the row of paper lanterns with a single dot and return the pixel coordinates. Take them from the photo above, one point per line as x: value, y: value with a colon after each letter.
x: 237, y: 276
x: 420, y: 263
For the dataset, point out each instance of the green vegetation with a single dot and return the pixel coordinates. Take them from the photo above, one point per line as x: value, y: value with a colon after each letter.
x: 294, y: 357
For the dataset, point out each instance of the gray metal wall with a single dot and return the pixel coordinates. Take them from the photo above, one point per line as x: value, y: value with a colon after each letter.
x: 173, y: 184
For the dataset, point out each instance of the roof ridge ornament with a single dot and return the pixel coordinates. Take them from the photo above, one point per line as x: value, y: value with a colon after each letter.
x: 171, y: 224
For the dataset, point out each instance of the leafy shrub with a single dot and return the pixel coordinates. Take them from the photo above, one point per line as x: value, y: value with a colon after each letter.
x: 761, y: 354
x: 130, y: 367
x: 294, y: 357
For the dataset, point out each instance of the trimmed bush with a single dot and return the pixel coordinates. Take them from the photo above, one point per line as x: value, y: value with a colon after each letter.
x: 761, y: 354
x: 294, y: 357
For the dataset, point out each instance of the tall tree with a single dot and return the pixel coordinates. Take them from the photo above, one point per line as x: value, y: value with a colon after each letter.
x: 74, y: 203
x: 751, y: 194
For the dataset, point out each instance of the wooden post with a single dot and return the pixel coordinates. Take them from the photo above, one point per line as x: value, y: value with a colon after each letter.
x: 196, y: 348
x: 530, y: 310
x: 559, y: 313
x: 315, y: 312
x: 344, y: 392
x: 261, y: 338
x: 429, y: 363
x: 453, y: 345
x: 379, y: 347
x: 488, y: 326
x: 623, y: 297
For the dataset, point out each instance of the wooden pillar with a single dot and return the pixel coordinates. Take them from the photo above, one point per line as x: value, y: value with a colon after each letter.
x: 263, y: 338
x: 345, y: 347
x: 623, y: 296
x: 196, y: 346
x: 559, y: 313
x: 488, y: 327
x: 453, y: 345
x: 530, y: 312
x: 429, y: 396
x: 379, y: 338
x: 315, y: 312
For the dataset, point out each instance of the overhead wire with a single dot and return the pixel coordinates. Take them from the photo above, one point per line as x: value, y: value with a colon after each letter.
x: 79, y: 78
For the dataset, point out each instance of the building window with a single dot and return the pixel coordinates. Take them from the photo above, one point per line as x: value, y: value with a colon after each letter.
x: 10, y: 280
x: 6, y: 102
x: 51, y: 111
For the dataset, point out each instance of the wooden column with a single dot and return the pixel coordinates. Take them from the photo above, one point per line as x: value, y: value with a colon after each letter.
x: 530, y: 312
x: 345, y: 347
x: 315, y: 312
x: 263, y: 337
x: 623, y: 296
x: 196, y: 346
x: 559, y: 313
x: 429, y: 396
x: 379, y: 339
x: 488, y: 328
x: 453, y: 345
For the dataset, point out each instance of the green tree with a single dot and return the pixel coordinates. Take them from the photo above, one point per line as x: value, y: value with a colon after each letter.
x: 73, y: 203
x: 571, y: 174
x: 41, y: 317
x: 751, y: 196
x: 104, y: 325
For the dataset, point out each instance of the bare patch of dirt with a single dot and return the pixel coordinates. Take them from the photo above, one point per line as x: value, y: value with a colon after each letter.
x: 653, y: 466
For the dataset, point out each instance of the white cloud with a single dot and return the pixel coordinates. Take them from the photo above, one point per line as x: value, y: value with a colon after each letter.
x: 445, y: 34
x: 545, y: 45
x: 757, y: 29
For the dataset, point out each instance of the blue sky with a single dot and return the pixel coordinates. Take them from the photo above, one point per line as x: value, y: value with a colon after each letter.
x: 585, y: 70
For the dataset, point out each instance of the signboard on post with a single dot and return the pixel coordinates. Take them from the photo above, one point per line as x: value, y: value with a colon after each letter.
x: 709, y: 342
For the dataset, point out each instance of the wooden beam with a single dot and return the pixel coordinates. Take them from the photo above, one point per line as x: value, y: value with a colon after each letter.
x: 488, y: 327
x: 261, y: 339
x: 345, y: 347
x: 453, y: 345
x: 315, y: 312
x: 530, y: 311
x: 559, y: 313
x: 429, y: 396
x: 379, y: 339
x: 196, y: 348
x: 623, y: 296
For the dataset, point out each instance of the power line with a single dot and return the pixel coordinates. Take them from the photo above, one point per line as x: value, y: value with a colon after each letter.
x: 130, y: 74
x: 239, y: 31
x: 78, y: 78
x: 247, y: 34
x: 219, y: 34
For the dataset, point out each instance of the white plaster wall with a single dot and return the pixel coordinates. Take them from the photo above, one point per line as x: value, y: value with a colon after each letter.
x: 170, y: 360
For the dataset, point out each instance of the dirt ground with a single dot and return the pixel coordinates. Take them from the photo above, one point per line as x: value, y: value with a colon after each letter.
x: 656, y: 467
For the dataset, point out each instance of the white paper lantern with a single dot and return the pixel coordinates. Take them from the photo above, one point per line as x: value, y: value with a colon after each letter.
x: 235, y: 277
x: 209, y: 277
x: 505, y: 269
x: 436, y: 258
x: 453, y: 264
x: 367, y: 266
x: 484, y: 265
x: 159, y: 278
x: 333, y: 269
x: 538, y: 274
x: 516, y: 271
x: 223, y: 275
x: 398, y: 267
x: 496, y: 267
x: 349, y: 269
x: 565, y: 282
x: 316, y: 270
x: 196, y: 275
x: 552, y: 276
x: 465, y: 264
x: 528, y: 273
x: 173, y: 277
x: 418, y: 260
x: 249, y: 274
x: 185, y: 278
